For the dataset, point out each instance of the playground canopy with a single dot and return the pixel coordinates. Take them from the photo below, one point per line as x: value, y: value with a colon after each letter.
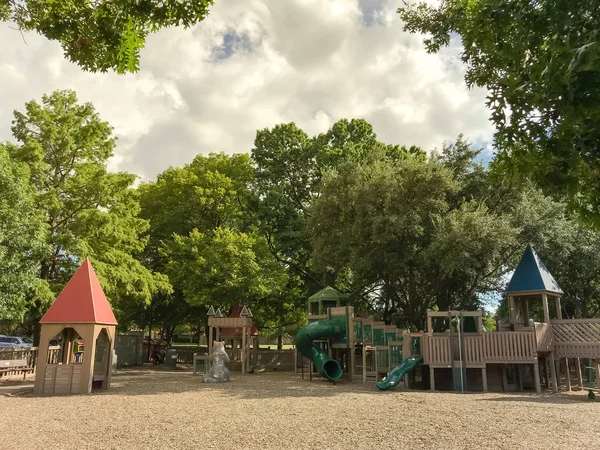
x: 531, y: 275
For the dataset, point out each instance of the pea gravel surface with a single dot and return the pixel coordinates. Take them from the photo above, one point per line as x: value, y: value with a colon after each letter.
x: 147, y: 409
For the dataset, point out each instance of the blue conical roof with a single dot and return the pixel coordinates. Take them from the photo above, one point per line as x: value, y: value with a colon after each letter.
x: 532, y: 275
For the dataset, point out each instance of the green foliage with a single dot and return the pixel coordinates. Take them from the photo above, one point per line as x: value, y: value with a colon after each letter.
x: 435, y: 233
x: 540, y: 61
x: 290, y: 167
x: 88, y: 211
x: 103, y: 34
x: 201, y: 236
x: 489, y: 323
x: 22, y: 235
x: 202, y: 195
x: 215, y: 266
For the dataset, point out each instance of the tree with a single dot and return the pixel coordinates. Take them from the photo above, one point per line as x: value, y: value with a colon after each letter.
x: 436, y: 233
x: 88, y: 211
x: 540, y: 61
x: 22, y: 234
x: 289, y: 169
x: 200, y: 234
x: 102, y: 34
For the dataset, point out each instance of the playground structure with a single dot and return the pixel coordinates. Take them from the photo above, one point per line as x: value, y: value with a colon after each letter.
x: 455, y: 352
x: 238, y: 328
x: 82, y: 315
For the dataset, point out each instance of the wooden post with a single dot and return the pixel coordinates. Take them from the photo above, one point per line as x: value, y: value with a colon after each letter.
x: 579, y: 375
x: 210, y: 339
x: 553, y: 369
x: 598, y: 374
x: 546, y: 310
x: 511, y: 309
x: 352, y: 363
x: 243, y: 351
x: 568, y: 374
x: 558, y: 308
x: 536, y: 377
x: 364, y: 358
x: 89, y: 336
x: 429, y: 324
x: 484, y: 378
x: 525, y: 301
x: 112, y: 335
x: 520, y: 373
x: 432, y: 378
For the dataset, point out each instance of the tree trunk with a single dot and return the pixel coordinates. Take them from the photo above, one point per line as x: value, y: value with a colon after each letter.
x: 279, y: 342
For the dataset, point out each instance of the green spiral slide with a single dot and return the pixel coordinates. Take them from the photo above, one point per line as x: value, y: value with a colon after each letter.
x: 396, y: 374
x: 319, y: 330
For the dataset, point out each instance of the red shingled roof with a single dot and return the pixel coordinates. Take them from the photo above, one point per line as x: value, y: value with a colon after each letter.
x: 81, y: 301
x: 231, y: 331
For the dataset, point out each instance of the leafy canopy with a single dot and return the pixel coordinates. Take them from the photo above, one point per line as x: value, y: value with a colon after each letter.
x: 22, y: 235
x: 540, y: 61
x: 102, y: 35
x: 88, y: 211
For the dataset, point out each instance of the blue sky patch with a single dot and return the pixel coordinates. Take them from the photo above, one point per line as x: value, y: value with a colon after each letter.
x: 232, y: 43
x: 371, y: 10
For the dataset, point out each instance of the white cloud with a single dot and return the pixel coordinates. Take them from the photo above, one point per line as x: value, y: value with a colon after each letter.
x: 254, y: 64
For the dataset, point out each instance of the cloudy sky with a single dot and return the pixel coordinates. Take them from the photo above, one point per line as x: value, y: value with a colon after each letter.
x: 253, y: 64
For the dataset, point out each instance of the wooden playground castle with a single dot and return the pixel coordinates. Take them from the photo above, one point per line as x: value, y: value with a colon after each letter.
x: 83, y: 318
x: 457, y: 353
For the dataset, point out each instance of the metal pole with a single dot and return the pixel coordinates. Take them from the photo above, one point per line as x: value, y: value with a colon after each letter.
x: 150, y: 327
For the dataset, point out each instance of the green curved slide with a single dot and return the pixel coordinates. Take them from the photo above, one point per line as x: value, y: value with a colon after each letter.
x: 396, y: 374
x: 318, y: 330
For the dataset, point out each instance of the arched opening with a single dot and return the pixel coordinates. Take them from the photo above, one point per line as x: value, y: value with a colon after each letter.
x: 102, y: 360
x: 64, y: 371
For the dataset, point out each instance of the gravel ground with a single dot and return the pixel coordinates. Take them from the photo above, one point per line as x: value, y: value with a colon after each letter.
x: 147, y: 409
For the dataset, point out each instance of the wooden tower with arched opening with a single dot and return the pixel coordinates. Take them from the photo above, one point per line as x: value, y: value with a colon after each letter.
x: 82, y: 319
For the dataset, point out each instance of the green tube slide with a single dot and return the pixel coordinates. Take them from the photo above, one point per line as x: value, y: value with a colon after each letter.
x: 318, y: 330
x: 396, y: 374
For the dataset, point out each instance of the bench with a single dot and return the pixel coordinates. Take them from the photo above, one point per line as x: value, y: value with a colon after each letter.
x: 14, y: 366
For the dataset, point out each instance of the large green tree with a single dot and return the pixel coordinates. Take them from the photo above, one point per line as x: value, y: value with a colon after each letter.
x: 540, y: 62
x: 201, y: 235
x: 99, y: 35
x: 88, y: 211
x: 290, y: 166
x: 436, y: 233
x: 22, y: 237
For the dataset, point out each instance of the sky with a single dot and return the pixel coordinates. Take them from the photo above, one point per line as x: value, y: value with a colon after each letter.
x: 251, y: 65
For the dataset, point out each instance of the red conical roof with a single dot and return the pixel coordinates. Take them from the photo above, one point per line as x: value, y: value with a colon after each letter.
x: 81, y: 301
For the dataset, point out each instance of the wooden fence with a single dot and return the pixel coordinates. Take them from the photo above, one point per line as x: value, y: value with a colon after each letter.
x: 509, y: 347
x: 437, y: 351
x: 579, y: 338
x: 479, y: 349
x: 30, y: 354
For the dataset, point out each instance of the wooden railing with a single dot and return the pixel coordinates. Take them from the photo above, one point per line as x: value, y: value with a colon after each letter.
x: 543, y: 336
x: 479, y: 349
x: 579, y: 338
x: 515, y: 346
x: 474, y: 350
x: 30, y: 354
x: 437, y: 351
